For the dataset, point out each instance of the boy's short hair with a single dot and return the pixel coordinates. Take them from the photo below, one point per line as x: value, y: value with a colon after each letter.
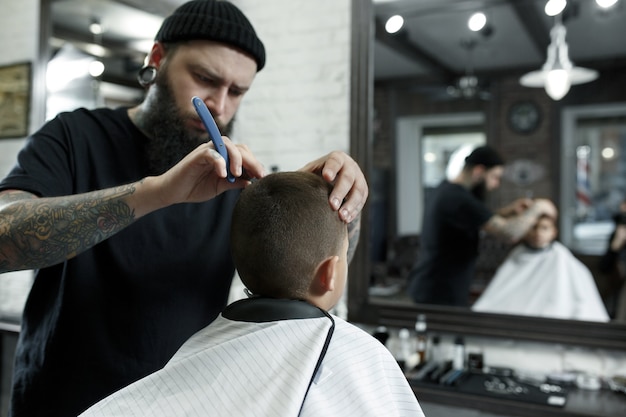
x: 282, y: 228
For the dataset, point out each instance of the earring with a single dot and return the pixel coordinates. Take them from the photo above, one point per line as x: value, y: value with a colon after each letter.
x: 146, y: 75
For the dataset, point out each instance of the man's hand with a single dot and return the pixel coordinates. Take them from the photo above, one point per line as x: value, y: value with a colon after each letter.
x: 201, y: 175
x: 516, y: 207
x: 350, y: 189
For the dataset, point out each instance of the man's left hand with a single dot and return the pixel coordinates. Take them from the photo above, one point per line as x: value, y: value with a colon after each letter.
x: 350, y: 189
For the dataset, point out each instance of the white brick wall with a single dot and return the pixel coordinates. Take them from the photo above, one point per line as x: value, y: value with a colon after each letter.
x: 19, y: 34
x: 19, y: 31
x: 298, y: 107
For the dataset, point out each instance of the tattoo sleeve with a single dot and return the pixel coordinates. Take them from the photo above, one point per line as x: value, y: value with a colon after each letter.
x: 512, y: 228
x: 38, y: 232
x: 354, y: 231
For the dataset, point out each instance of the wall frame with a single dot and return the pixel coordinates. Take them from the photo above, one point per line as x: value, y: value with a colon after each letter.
x: 15, y: 89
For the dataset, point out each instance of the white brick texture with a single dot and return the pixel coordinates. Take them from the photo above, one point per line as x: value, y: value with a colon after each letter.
x: 298, y: 107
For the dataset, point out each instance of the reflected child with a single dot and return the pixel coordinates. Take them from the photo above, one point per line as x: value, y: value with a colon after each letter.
x: 541, y: 277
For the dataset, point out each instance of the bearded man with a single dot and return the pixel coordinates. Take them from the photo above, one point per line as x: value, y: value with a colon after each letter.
x: 454, y: 217
x: 99, y: 203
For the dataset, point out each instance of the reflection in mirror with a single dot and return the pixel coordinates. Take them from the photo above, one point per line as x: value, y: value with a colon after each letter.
x: 416, y: 72
x: 441, y: 144
x: 593, y: 168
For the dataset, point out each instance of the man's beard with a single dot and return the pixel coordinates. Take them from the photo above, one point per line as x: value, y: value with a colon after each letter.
x: 480, y: 191
x: 164, y: 123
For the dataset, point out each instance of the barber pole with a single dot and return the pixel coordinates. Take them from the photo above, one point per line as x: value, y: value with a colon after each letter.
x: 583, y: 185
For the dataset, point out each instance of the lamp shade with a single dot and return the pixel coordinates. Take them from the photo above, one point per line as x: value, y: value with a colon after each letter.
x: 558, y: 73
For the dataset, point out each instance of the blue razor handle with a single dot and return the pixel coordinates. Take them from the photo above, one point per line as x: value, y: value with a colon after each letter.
x: 214, y: 133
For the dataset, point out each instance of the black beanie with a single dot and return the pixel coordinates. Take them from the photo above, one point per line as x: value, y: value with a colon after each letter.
x: 484, y: 155
x: 214, y: 20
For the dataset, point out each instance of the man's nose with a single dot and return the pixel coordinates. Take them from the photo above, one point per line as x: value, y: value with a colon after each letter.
x: 217, y: 101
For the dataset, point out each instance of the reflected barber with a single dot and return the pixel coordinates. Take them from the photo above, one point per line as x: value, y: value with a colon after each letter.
x: 454, y: 217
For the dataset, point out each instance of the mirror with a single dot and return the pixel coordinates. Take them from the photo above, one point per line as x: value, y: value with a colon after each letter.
x: 416, y: 84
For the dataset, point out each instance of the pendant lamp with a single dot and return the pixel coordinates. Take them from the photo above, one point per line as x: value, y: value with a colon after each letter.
x: 558, y: 73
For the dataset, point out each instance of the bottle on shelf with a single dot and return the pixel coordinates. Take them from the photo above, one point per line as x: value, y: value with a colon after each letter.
x: 458, y: 358
x: 422, y: 338
x: 435, y: 353
x: 404, y: 348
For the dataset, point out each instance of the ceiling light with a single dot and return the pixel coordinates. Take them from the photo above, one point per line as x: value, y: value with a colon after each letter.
x: 394, y: 24
x: 605, y: 4
x: 558, y: 73
x: 96, y: 68
x: 95, y: 49
x: 477, y: 21
x: 95, y: 27
x: 554, y: 7
x: 608, y: 153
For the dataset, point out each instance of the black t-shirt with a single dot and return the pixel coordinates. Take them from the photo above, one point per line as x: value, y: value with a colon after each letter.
x: 120, y: 310
x: 449, y: 246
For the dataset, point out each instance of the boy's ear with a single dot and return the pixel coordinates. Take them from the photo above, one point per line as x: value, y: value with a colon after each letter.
x: 325, y: 274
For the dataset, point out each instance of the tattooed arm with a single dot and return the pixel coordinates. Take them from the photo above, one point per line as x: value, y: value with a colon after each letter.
x: 39, y: 232
x: 514, y: 227
x: 354, y: 231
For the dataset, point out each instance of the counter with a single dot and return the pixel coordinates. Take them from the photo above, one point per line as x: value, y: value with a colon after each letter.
x: 579, y: 402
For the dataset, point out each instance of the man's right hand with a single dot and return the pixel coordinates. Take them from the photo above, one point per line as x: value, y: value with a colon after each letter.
x: 199, y: 176
x: 39, y: 232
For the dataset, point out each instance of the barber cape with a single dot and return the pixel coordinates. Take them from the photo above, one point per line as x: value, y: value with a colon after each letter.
x: 270, y: 357
x: 548, y: 282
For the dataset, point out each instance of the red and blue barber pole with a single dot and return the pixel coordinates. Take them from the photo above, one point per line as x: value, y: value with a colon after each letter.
x: 583, y: 185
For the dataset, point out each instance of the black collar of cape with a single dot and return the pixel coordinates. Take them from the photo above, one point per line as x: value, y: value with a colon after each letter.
x: 262, y: 309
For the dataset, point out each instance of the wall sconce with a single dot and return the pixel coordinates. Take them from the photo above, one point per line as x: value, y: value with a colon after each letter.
x: 558, y: 73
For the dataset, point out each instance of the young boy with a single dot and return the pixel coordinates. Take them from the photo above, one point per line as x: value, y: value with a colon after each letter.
x: 541, y: 277
x: 279, y: 352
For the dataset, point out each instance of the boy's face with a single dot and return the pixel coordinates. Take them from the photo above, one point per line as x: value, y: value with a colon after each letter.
x: 542, y: 234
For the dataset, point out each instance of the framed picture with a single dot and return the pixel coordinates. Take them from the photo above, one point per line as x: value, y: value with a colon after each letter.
x: 15, y: 83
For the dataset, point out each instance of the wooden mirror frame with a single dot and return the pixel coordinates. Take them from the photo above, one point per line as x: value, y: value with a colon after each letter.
x: 440, y: 319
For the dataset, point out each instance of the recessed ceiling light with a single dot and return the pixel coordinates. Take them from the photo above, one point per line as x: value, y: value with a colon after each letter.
x: 477, y: 21
x: 554, y: 7
x: 394, y: 24
x: 605, y: 4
